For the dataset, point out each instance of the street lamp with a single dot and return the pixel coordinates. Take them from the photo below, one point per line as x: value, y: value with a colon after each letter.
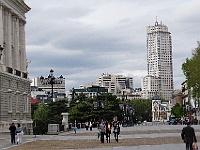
x: 128, y: 113
x: 98, y: 104
x: 51, y: 80
x: 77, y: 110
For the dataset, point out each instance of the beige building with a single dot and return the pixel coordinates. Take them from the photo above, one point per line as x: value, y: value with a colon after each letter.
x: 115, y: 84
x: 150, y: 86
x: 15, y: 100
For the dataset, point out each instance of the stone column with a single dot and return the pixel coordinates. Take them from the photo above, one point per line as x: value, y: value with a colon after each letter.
x: 5, y: 26
x: 16, y: 45
x: 23, y: 62
x: 1, y: 25
x: 1, y: 37
x: 9, y: 41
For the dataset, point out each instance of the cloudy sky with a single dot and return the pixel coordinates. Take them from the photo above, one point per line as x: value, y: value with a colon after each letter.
x: 82, y: 39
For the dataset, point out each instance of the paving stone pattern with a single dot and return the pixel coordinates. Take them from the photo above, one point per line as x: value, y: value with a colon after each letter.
x: 162, y: 137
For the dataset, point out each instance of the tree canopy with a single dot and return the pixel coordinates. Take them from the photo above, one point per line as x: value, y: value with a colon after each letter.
x: 177, y: 111
x: 191, y: 70
x: 142, y: 109
x: 41, y: 119
x: 82, y: 108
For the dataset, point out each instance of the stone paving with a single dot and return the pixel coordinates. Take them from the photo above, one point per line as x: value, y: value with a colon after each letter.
x: 161, y: 137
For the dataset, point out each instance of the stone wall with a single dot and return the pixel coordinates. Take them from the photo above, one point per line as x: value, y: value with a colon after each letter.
x: 15, y: 101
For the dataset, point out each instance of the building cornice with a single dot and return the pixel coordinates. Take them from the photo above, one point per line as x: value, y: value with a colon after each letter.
x: 17, y: 7
x: 14, y: 76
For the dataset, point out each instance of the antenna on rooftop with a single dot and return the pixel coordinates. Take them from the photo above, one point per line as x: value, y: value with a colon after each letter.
x: 156, y: 23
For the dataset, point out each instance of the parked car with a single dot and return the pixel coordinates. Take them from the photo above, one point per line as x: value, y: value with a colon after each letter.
x: 172, y: 121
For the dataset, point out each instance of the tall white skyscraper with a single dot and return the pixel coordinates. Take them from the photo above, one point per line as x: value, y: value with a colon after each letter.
x: 159, y: 60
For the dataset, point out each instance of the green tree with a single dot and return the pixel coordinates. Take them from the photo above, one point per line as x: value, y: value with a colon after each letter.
x: 34, y: 107
x: 41, y: 119
x: 191, y: 70
x: 58, y: 107
x: 82, y: 109
x: 143, y: 110
x: 177, y: 111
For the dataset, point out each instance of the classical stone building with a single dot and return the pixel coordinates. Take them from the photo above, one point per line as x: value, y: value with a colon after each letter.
x: 15, y: 100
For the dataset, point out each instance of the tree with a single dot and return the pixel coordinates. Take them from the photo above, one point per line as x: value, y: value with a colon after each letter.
x: 177, y: 111
x: 41, y: 119
x: 142, y: 109
x: 59, y: 106
x: 34, y: 107
x: 82, y: 109
x: 191, y: 70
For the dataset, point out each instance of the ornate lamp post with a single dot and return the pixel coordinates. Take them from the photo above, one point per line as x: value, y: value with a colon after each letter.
x: 52, y: 128
x: 98, y: 104
x: 128, y: 111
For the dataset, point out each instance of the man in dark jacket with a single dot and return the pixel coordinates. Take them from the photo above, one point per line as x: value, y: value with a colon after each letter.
x: 12, y: 129
x: 188, y: 135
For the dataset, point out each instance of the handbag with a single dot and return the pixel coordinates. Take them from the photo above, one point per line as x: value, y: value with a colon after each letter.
x: 195, y: 146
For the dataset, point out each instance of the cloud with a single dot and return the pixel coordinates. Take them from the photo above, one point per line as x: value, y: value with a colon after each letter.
x: 82, y: 39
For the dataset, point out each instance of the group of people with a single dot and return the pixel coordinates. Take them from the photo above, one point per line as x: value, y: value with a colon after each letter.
x: 16, y: 131
x: 105, y: 128
x: 89, y: 125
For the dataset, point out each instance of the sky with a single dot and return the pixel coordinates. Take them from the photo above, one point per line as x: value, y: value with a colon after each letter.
x: 81, y: 39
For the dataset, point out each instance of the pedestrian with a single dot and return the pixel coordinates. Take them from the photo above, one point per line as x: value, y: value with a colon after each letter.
x: 108, y: 131
x: 102, y: 131
x: 86, y: 125
x: 188, y: 136
x: 116, y: 130
x: 75, y: 129
x: 90, y: 125
x: 19, y: 134
x: 12, y: 129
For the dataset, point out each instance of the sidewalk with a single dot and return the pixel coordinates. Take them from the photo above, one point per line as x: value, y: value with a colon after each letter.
x: 5, y: 137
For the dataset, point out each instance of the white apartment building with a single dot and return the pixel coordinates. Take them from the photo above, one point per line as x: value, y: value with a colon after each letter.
x: 159, y: 59
x: 15, y: 95
x: 115, y: 83
x: 150, y: 86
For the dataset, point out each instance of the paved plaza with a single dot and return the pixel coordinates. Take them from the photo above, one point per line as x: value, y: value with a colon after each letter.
x: 158, y: 137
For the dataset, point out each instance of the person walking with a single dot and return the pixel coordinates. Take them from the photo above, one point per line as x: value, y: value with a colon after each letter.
x: 188, y: 136
x: 75, y: 127
x: 108, y: 131
x: 19, y: 134
x: 86, y: 125
x: 116, y: 130
x: 90, y: 125
x: 12, y: 129
x: 102, y: 131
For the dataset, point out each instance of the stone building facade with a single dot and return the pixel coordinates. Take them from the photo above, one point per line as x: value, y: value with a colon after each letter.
x: 15, y: 97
